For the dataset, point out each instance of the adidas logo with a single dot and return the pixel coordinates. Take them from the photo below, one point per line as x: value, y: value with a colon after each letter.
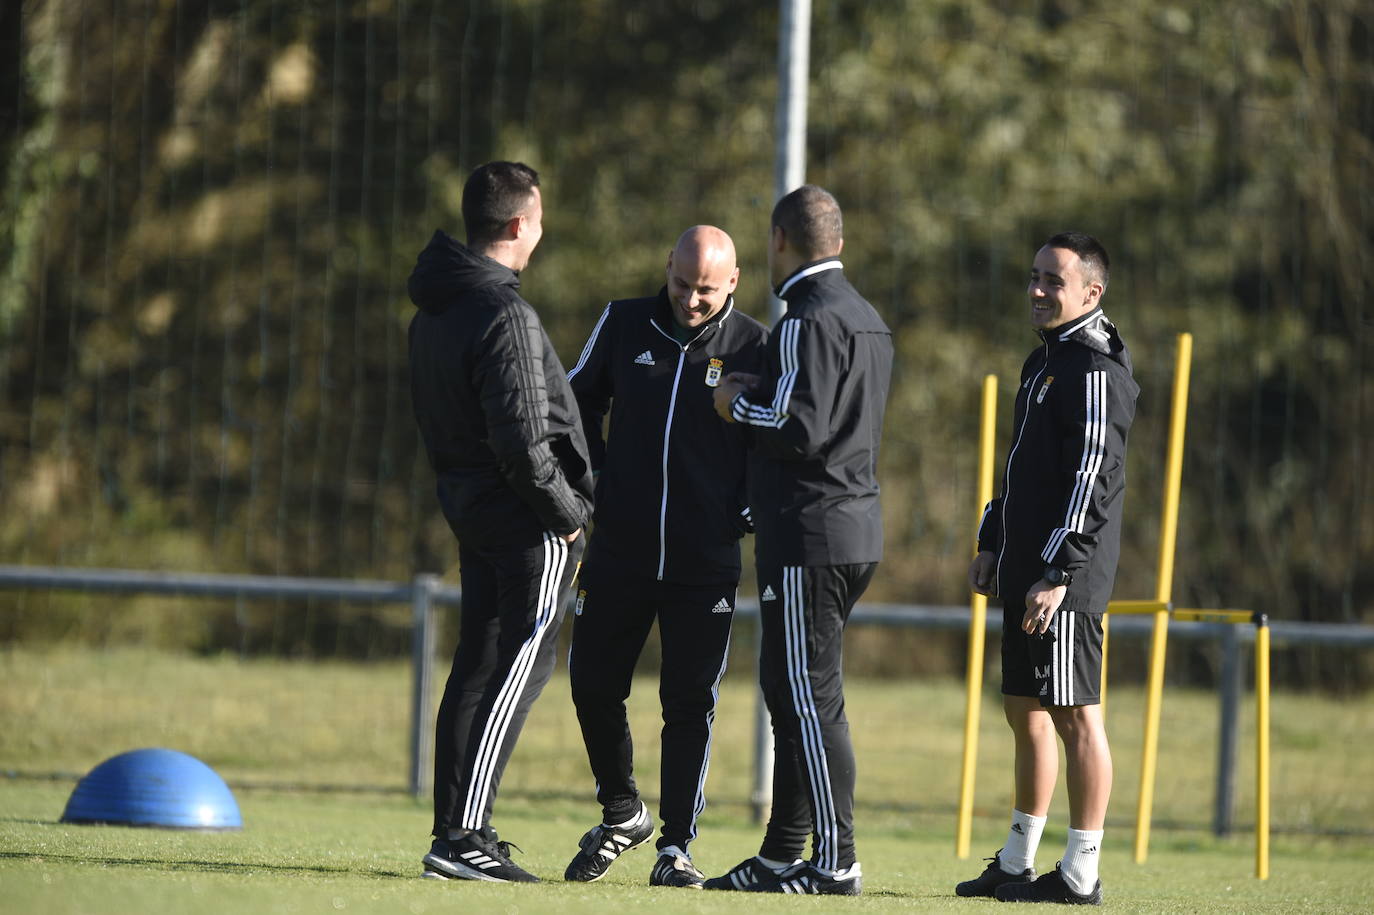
x: 1090, y: 850
x: 644, y: 358
x: 1016, y: 828
x: 722, y: 606
x: 768, y: 593
x: 479, y: 859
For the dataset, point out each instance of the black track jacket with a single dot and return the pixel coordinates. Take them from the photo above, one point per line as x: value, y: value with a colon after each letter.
x: 671, y: 498
x: 817, y: 418
x: 1066, y: 471
x: 495, y: 411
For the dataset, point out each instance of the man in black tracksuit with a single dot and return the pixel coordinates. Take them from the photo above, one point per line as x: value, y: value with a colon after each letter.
x: 816, y: 417
x: 671, y: 507
x: 502, y: 433
x: 1049, y: 546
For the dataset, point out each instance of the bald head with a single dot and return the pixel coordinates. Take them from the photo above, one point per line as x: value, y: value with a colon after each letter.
x: 701, y: 275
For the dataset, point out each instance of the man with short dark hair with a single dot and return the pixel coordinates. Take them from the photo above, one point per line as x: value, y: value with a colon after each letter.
x: 671, y: 507
x: 502, y: 432
x: 815, y: 414
x: 1048, y: 544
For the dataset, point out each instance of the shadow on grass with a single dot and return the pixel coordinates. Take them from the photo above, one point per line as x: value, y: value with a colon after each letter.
x: 222, y: 867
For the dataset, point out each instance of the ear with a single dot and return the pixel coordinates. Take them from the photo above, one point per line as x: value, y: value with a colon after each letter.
x: 778, y: 240
x: 734, y: 281
x: 516, y: 227
x: 1094, y: 293
x: 840, y: 248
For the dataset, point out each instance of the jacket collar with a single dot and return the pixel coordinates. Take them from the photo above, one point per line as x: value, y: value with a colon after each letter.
x: 1092, y: 330
x: 805, y: 270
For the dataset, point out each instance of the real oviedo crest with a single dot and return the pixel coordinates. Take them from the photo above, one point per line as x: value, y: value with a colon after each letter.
x: 713, y: 370
x: 1044, y: 389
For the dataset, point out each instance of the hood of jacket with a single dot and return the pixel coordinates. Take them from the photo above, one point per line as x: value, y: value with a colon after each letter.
x: 1094, y: 331
x: 446, y: 269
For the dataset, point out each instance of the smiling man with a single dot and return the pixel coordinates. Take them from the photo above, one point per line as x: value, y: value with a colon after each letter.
x: 1048, y: 544
x: 671, y: 507
x: 501, y: 431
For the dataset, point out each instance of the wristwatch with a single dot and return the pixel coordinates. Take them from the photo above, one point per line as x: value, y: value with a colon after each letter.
x: 1057, y: 576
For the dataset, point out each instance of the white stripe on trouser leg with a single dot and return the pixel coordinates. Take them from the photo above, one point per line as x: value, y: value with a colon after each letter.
x: 700, y: 803
x: 508, y: 699
x: 1061, y: 663
x: 804, y: 703
x: 1068, y: 659
x: 1058, y: 670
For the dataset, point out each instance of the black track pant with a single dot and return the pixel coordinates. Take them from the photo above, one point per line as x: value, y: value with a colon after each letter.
x: 804, y: 611
x: 512, y: 607
x: 612, y: 623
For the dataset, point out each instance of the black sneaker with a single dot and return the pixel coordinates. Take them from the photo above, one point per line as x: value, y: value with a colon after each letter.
x: 675, y: 869
x: 804, y: 880
x: 1049, y: 888
x: 603, y: 844
x: 986, y: 883
x: 474, y: 857
x: 743, y: 876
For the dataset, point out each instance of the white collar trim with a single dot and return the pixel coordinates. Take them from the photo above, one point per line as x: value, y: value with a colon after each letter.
x: 809, y: 271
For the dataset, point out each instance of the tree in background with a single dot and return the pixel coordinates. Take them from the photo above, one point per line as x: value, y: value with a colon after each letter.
x: 209, y: 210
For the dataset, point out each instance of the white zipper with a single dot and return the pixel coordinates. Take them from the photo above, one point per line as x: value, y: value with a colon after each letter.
x: 667, y: 430
x: 1006, y: 497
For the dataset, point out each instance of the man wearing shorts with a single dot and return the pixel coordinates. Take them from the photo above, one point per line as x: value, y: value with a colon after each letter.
x: 1049, y: 546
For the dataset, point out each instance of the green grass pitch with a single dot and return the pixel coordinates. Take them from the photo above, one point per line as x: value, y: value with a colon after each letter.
x: 268, y: 722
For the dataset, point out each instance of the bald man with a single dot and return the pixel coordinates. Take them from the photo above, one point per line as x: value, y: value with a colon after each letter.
x: 671, y: 508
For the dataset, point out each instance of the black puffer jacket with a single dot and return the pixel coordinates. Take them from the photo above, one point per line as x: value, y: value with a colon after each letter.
x: 1066, y: 472
x: 495, y: 411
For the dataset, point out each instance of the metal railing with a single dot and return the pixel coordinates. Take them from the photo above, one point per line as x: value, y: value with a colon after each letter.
x: 425, y: 593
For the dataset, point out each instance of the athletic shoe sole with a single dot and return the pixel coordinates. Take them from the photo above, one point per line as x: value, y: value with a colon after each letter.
x: 438, y: 868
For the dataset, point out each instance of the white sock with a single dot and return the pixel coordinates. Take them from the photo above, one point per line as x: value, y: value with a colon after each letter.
x: 639, y: 815
x: 775, y: 865
x: 1022, y: 841
x: 1079, y: 866
x: 852, y: 870
x: 673, y: 851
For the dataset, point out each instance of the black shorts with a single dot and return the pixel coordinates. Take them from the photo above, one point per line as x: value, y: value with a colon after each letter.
x: 1063, y: 667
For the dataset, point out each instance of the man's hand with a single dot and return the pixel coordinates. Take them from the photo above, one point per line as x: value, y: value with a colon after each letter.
x: 725, y: 392
x: 981, y: 573
x: 569, y: 538
x: 1042, y: 600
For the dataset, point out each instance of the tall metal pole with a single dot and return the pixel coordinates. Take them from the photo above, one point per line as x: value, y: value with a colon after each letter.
x: 794, y: 62
x: 422, y: 671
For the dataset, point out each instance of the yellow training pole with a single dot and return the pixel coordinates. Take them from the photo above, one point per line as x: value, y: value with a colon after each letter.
x: 1168, y: 536
x: 977, y: 628
x: 1262, y: 746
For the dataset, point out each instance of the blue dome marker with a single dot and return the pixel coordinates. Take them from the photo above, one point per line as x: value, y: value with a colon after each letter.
x: 154, y: 787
